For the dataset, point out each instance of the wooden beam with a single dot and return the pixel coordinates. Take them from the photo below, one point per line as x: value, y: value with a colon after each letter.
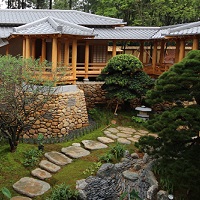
x: 33, y: 48
x: 59, y: 53
x: 114, y: 51
x: 74, y: 58
x: 141, y: 51
x: 177, y: 50
x: 24, y: 48
x: 54, y: 55
x: 43, y: 56
x: 28, y: 52
x: 66, y: 58
x: 182, y: 50
x: 195, y: 45
x: 154, y: 56
x: 162, y: 48
x: 86, y: 59
x: 7, y: 49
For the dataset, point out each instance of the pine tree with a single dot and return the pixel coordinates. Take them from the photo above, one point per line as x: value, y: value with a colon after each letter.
x: 177, y: 146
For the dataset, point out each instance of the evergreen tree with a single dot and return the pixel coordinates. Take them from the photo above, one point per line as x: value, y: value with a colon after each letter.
x: 177, y: 146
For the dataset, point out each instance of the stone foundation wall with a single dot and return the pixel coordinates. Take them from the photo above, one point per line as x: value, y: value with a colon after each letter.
x: 93, y: 93
x: 64, y: 112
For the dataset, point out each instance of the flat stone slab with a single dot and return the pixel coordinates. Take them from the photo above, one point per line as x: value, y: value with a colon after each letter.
x: 40, y: 173
x: 75, y: 152
x: 31, y: 187
x: 107, y: 132
x: 123, y: 141
x: 137, y: 136
x: 76, y: 144
x: 130, y: 175
x: 58, y: 158
x: 126, y: 129
x: 143, y: 131
x: 132, y: 139
x: 123, y: 135
x: 112, y: 130
x: 49, y: 166
x: 93, y: 145
x: 20, y: 198
x: 153, y: 134
x: 112, y: 136
x: 105, y: 140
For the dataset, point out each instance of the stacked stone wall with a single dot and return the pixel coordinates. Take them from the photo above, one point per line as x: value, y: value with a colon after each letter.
x: 93, y: 93
x: 65, y: 111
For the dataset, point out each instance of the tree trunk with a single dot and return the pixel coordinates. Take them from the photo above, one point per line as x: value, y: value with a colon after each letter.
x: 13, y: 145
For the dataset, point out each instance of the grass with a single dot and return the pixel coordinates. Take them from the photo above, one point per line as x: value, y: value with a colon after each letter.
x: 12, y: 169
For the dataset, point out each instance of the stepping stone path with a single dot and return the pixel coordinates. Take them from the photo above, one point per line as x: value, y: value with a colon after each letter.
x: 75, y: 152
x: 31, y: 187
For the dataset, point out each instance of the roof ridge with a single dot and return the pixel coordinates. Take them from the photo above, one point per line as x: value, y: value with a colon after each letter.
x: 184, y: 26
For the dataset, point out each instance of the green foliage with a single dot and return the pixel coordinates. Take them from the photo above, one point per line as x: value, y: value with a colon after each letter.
x: 91, y: 170
x: 40, y: 139
x: 6, y: 192
x: 63, y: 192
x: 32, y: 157
x: 133, y: 196
x: 115, y: 153
x: 138, y: 120
x: 124, y: 78
x: 178, y: 143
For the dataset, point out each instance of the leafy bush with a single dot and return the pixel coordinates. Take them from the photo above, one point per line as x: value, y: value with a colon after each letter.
x: 63, y: 192
x: 93, y: 168
x: 32, y: 157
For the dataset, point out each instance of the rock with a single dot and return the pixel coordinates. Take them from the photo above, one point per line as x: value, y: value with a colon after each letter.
x: 106, y: 170
x: 130, y: 175
x: 31, y: 187
x: 113, y: 130
x: 76, y: 144
x: 20, y: 198
x: 162, y: 195
x: 40, y: 173
x: 134, y: 155
x: 112, y: 136
x: 106, y: 132
x: 49, y: 166
x: 57, y: 158
x: 80, y: 184
x: 146, y: 158
x: 123, y: 135
x: 126, y: 129
x: 143, y: 132
x: 153, y: 135
x: 132, y: 139
x: 151, y: 192
x: 93, y: 145
x: 137, y: 136
x: 123, y: 141
x: 137, y: 167
x: 75, y: 151
x: 105, y: 140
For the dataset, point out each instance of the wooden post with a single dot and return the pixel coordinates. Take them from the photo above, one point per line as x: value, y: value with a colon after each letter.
x: 162, y: 46
x: 43, y: 58
x: 59, y: 54
x: 195, y: 45
x: 66, y: 59
x: 141, y: 51
x: 33, y: 48
x: 182, y: 50
x: 86, y: 59
x: 74, y: 58
x: 177, y: 50
x: 7, y: 49
x: 114, y: 51
x: 54, y: 55
x: 24, y: 48
x: 154, y: 56
x: 28, y: 53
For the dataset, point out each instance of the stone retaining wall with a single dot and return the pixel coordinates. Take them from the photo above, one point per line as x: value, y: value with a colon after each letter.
x: 93, y: 93
x: 64, y: 112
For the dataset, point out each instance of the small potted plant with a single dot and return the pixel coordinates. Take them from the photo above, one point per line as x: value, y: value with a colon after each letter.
x: 40, y: 141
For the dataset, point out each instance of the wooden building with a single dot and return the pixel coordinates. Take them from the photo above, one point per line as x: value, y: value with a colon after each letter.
x: 81, y: 43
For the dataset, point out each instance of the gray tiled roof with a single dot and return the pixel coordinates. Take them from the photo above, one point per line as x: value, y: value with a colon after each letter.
x: 51, y: 25
x: 126, y: 33
x: 5, y: 32
x: 186, y: 29
x: 16, y: 16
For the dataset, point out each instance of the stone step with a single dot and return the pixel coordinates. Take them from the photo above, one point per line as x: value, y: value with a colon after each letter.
x: 49, y: 166
x: 40, y: 173
x: 110, y: 135
x: 20, y: 198
x: 93, y: 145
x: 123, y: 141
x: 75, y: 151
x: 58, y: 158
x: 31, y: 187
x: 105, y: 140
